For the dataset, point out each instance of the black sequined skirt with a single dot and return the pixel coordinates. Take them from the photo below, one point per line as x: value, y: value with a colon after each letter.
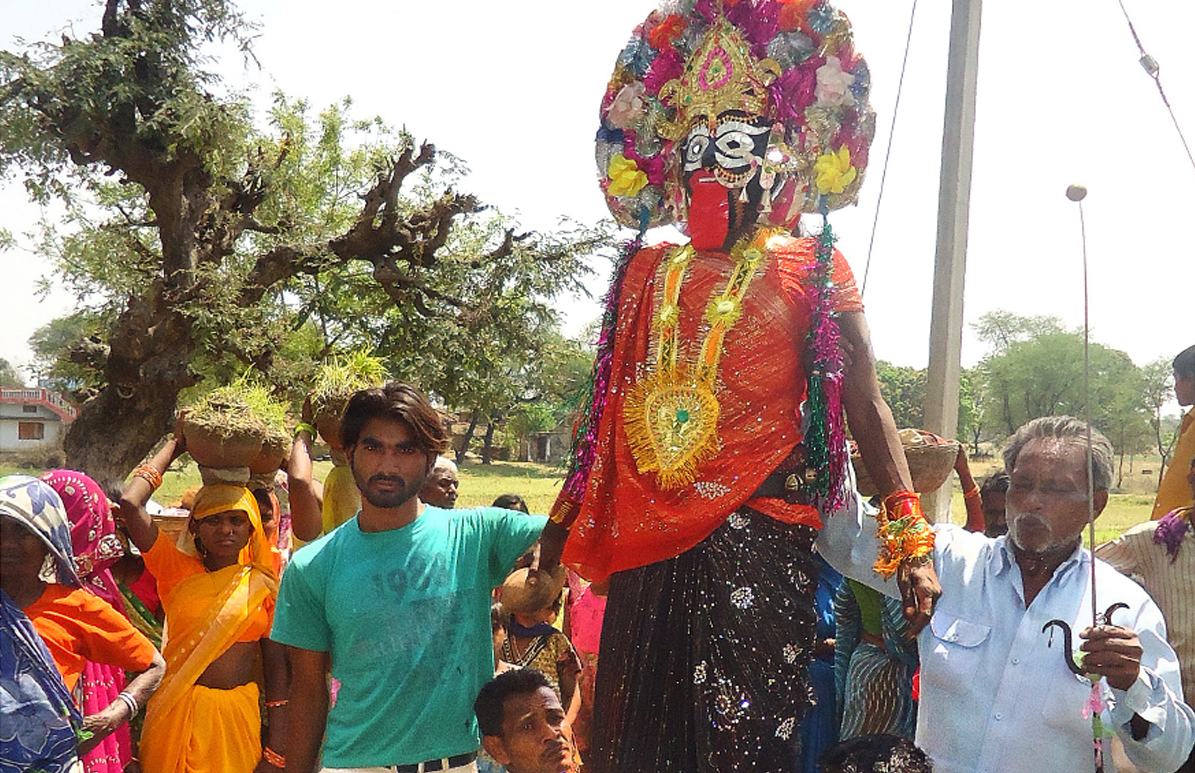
x: 703, y: 656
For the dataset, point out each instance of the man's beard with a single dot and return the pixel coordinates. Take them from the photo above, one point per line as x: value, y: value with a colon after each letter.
x: 1027, y: 526
x: 391, y: 498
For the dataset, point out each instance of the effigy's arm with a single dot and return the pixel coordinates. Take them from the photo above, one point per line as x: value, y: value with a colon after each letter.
x: 908, y: 541
x: 869, y: 417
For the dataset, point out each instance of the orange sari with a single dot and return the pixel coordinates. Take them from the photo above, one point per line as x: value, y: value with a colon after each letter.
x: 190, y: 728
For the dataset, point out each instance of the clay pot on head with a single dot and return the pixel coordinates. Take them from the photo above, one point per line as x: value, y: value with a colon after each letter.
x: 209, y: 449
x: 267, y: 461
x: 328, y: 425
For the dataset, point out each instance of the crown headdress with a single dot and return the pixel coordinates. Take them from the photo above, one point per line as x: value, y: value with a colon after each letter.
x: 720, y: 75
x: 792, y: 61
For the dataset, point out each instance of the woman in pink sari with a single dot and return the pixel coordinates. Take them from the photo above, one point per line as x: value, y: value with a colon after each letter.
x: 96, y: 548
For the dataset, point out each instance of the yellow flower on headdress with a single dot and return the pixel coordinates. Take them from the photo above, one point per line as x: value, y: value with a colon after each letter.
x: 626, y: 179
x: 833, y: 171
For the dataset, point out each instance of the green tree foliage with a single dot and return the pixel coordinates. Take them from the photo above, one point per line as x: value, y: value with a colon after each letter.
x: 903, y: 389
x: 199, y: 246
x: 9, y: 376
x: 1037, y: 369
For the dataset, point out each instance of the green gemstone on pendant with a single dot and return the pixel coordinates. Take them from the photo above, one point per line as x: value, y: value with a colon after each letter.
x: 682, y: 416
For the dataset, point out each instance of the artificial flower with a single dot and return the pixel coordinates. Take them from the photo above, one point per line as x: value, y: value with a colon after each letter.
x: 627, y: 107
x: 834, y: 85
x: 667, y: 66
x: 664, y: 34
x: 833, y: 171
x: 821, y: 19
x: 626, y: 179
x: 652, y: 166
x: 790, y: 48
x: 794, y: 90
x: 761, y: 26
x: 636, y: 57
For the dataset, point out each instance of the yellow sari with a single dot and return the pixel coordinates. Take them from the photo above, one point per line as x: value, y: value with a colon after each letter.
x: 190, y: 728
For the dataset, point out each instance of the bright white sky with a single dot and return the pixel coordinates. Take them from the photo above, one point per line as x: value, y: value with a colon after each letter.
x: 513, y: 88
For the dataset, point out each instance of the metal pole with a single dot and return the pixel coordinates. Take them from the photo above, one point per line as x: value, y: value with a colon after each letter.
x: 950, y: 261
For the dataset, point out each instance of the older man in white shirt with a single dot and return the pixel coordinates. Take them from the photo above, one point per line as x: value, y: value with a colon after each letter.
x: 994, y: 696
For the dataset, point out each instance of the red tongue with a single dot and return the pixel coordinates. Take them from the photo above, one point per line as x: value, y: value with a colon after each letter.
x: 709, y: 212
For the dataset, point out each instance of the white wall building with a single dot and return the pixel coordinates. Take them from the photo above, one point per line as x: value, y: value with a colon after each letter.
x: 33, y: 419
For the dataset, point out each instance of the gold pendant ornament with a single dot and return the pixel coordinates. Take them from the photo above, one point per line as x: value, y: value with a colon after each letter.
x: 671, y: 415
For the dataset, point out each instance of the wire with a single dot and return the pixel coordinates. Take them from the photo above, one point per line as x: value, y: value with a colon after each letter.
x: 1151, y: 67
x: 888, y: 153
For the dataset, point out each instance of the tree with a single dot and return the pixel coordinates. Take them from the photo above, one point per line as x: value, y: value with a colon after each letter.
x: 903, y: 388
x: 1043, y: 375
x: 204, y: 247
x: 1158, y: 388
x: 9, y: 376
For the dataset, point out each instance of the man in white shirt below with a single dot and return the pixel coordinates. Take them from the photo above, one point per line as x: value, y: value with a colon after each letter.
x: 994, y: 696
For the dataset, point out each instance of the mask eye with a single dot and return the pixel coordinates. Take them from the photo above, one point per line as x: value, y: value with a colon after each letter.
x: 736, y: 142
x: 695, y: 147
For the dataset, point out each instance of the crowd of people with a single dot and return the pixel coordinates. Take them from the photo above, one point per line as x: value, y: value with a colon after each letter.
x: 708, y: 592
x: 343, y: 632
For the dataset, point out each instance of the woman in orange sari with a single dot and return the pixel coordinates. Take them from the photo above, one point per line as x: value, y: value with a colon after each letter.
x: 218, y: 588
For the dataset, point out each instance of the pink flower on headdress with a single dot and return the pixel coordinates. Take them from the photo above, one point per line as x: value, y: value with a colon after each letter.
x: 652, y: 166
x: 760, y: 24
x: 667, y: 66
x: 794, y: 91
x: 627, y: 107
x: 834, y: 85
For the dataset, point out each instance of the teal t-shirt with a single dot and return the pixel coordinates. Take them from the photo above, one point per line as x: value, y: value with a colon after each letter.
x: 406, y: 616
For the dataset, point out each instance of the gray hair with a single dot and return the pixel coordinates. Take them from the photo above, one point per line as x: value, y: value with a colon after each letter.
x: 1065, y: 429
x: 444, y: 463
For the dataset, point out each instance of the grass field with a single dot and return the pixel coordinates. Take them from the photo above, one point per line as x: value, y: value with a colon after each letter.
x: 539, y: 484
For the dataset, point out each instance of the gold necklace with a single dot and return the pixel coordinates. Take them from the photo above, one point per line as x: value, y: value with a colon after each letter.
x: 671, y: 414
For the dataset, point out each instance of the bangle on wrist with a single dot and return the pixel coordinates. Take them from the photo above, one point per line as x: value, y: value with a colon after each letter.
x: 128, y: 700
x: 150, y: 475
x: 273, y: 757
x: 905, y: 536
x: 276, y: 704
x: 972, y: 493
x: 304, y: 427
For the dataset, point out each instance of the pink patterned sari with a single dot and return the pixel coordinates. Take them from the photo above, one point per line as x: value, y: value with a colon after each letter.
x: 93, y: 537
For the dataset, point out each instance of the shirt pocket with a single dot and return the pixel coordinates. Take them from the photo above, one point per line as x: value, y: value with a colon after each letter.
x: 957, y: 652
x: 1062, y: 700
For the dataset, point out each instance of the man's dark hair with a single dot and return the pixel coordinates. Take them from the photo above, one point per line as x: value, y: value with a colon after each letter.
x: 1184, y: 363
x: 490, y: 705
x: 511, y: 502
x: 395, y: 402
x: 872, y: 753
x: 996, y: 483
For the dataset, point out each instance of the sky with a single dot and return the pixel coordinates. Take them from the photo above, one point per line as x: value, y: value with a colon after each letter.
x: 513, y: 88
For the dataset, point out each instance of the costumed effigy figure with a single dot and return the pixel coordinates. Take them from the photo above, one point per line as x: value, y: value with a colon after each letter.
x: 713, y: 442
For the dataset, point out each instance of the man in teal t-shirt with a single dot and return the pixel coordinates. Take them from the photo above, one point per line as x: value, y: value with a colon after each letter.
x: 398, y: 598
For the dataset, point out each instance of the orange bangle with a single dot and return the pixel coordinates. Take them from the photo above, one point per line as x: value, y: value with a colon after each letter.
x: 905, y: 536
x: 273, y: 757
x: 974, y: 492
x: 148, y: 474
x: 276, y: 704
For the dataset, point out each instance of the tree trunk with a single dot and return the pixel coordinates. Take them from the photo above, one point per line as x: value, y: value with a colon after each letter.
x: 145, y: 371
x: 487, y: 451
x: 464, y: 449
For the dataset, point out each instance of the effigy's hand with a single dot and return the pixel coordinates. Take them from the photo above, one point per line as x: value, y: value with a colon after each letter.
x: 919, y: 591
x: 1113, y: 652
x: 551, y: 543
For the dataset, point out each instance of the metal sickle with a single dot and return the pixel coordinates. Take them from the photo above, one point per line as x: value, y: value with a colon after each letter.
x: 1068, y: 652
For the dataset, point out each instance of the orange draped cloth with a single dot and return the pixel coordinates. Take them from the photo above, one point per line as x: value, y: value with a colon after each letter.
x: 626, y: 519
x: 190, y: 728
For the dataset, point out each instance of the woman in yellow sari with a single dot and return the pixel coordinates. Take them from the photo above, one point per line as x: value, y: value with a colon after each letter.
x: 218, y: 588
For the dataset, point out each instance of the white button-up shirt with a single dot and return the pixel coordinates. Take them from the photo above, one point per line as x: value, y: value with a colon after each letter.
x: 995, y: 697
